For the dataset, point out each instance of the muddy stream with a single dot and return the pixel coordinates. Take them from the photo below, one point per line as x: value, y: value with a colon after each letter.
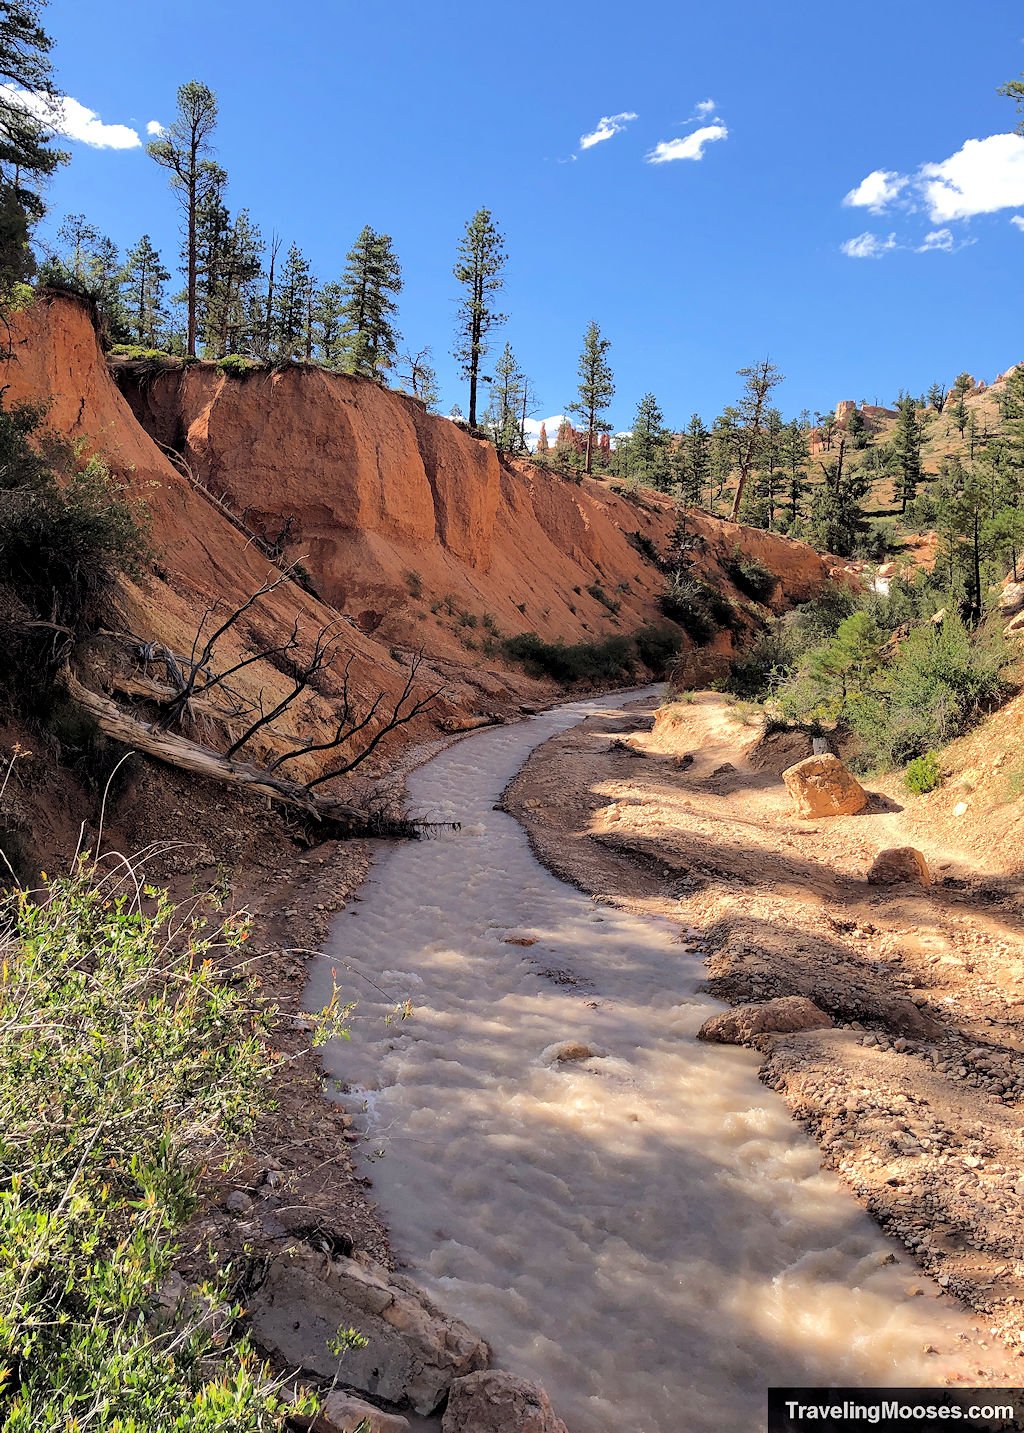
x: 646, y: 1232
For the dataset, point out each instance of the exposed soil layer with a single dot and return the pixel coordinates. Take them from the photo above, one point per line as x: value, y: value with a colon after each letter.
x: 916, y: 1096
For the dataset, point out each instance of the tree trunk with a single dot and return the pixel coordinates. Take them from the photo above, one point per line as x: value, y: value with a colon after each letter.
x: 187, y: 755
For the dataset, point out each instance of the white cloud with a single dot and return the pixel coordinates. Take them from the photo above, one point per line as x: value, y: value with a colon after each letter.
x: 983, y: 176
x: 868, y: 246
x: 705, y: 107
x: 876, y: 191
x: 937, y: 239
x: 72, y: 120
x: 691, y: 147
x: 154, y: 127
x: 607, y: 126
x: 1018, y: 221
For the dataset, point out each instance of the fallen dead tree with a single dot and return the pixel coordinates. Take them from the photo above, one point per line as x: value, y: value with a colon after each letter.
x: 193, y: 686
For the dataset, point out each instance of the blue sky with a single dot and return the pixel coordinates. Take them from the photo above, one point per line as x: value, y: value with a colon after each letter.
x: 409, y: 116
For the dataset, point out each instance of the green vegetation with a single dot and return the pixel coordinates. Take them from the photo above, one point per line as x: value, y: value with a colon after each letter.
x: 923, y: 774
x: 600, y: 595
x: 59, y: 542
x: 233, y: 365
x: 612, y: 659
x: 127, y: 1070
x: 851, y: 664
x: 751, y: 576
x: 697, y: 606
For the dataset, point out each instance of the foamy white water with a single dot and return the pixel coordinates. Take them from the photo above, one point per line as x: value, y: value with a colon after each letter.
x: 648, y: 1233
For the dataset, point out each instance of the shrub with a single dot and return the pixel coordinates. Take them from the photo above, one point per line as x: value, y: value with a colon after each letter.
x: 609, y: 660
x: 60, y: 544
x: 600, y: 595
x: 923, y: 774
x: 696, y: 606
x: 233, y: 365
x: 126, y: 1067
x: 644, y: 546
x: 751, y: 576
x: 414, y: 582
x: 657, y: 647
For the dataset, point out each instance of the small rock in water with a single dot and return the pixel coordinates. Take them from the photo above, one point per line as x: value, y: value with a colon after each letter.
x: 569, y: 1050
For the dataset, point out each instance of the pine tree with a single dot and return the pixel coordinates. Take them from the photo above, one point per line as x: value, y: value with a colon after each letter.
x: 481, y: 259
x: 372, y: 275
x: 142, y: 282
x: 1014, y: 90
x: 90, y: 261
x: 182, y: 150
x: 502, y: 419
x: 420, y: 378
x: 960, y: 413
x: 289, y: 319
x: 906, y: 446
x: 937, y: 396
x: 26, y: 158
x: 796, y: 454
x: 595, y: 389
x: 759, y: 381
x: 696, y: 450
x: 649, y: 443
x: 857, y: 429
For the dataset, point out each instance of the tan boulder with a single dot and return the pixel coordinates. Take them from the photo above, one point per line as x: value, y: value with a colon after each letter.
x: 495, y: 1402
x: 1015, y: 626
x: 343, y: 1413
x: 822, y: 786
x: 783, y: 1016
x: 899, y: 864
x: 1011, y: 599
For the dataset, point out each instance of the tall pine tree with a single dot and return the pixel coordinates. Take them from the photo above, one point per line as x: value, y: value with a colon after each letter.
x: 596, y: 388
x: 372, y: 276
x: 481, y: 259
x: 142, y: 282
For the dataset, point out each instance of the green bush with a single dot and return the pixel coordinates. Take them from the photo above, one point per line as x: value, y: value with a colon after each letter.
x: 644, y: 546
x: 60, y: 543
x: 233, y: 365
x: 923, y: 774
x: 600, y: 595
x: 697, y: 606
x: 607, y: 661
x: 126, y: 1069
x: 135, y: 350
x: 751, y: 576
x: 657, y: 647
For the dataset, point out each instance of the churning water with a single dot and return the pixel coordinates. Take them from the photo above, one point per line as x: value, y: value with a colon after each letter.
x: 646, y: 1232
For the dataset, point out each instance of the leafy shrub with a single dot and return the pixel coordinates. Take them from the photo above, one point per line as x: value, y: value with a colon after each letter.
x: 751, y: 576
x: 609, y: 660
x: 126, y: 1067
x: 923, y: 774
x: 233, y: 365
x: 644, y: 546
x: 600, y: 595
x: 657, y: 647
x: 414, y: 582
x: 135, y: 350
x: 697, y: 606
x: 59, y: 544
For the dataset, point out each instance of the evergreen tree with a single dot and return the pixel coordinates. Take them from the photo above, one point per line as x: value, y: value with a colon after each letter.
x: 759, y: 381
x: 90, y: 261
x: 182, y: 150
x: 906, y: 447
x: 857, y: 430
x: 142, y: 282
x: 960, y: 414
x: 836, y: 522
x: 696, y: 448
x: 372, y: 276
x: 795, y: 455
x: 26, y: 158
x: 481, y: 259
x: 595, y: 389
x: 503, y: 420
x: 649, y: 444
x: 1014, y: 90
x: 290, y: 313
x: 826, y: 430
x: 420, y: 378
x: 937, y: 396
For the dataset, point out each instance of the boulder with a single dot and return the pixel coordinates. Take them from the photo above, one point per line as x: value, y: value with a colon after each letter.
x: 822, y: 786
x: 1015, y: 626
x: 898, y: 865
x: 783, y: 1016
x: 495, y: 1402
x: 343, y: 1412
x: 413, y: 1352
x: 1011, y: 599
